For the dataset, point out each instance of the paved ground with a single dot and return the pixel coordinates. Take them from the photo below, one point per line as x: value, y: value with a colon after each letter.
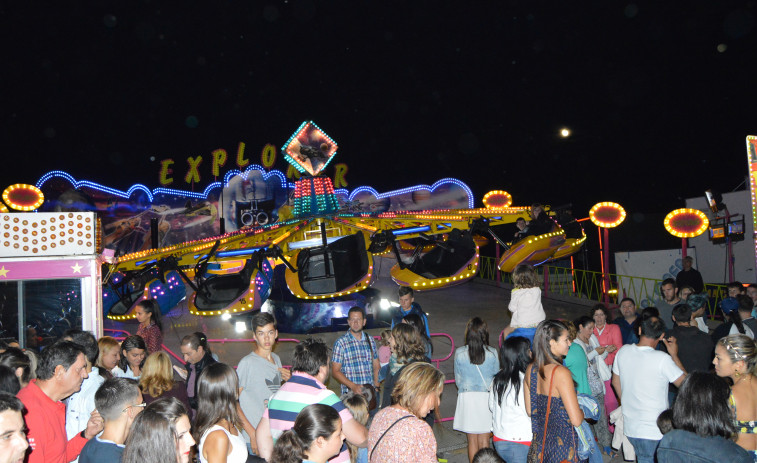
x: 448, y: 309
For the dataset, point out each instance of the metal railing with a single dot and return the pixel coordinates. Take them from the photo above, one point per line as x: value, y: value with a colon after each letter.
x: 590, y: 285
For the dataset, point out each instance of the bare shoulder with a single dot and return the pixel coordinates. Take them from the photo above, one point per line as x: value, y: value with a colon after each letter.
x: 562, y: 374
x: 527, y: 379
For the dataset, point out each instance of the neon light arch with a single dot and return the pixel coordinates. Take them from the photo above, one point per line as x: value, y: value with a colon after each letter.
x: 403, y: 191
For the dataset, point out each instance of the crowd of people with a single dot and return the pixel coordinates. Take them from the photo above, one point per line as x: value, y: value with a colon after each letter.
x: 658, y: 384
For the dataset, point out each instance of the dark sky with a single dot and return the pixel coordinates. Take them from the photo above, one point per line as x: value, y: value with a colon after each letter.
x: 659, y: 98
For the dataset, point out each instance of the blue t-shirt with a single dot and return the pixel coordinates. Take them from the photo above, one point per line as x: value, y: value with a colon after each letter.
x: 97, y: 451
x: 416, y: 309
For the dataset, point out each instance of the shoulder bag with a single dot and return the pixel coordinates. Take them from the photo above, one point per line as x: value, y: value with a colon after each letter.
x: 370, y: 457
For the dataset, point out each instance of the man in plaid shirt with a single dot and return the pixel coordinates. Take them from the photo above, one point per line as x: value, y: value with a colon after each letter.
x: 354, y: 361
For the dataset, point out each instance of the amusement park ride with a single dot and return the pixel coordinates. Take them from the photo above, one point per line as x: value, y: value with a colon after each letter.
x: 324, y: 251
x: 327, y: 253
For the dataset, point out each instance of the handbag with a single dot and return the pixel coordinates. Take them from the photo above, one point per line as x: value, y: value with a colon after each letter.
x: 603, y: 370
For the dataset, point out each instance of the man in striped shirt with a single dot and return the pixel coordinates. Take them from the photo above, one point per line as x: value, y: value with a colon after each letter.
x: 310, y: 370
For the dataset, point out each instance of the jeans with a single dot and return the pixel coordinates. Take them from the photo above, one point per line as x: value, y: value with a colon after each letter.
x: 596, y: 454
x: 644, y: 448
x: 511, y: 452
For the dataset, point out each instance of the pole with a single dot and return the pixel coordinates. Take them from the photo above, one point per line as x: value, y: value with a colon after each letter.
x: 606, y: 265
x: 729, y: 245
x: 498, y: 277
x: 683, y: 247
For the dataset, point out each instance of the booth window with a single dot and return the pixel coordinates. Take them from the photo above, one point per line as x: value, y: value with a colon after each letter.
x: 38, y: 312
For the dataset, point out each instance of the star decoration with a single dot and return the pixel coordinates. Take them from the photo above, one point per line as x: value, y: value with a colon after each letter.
x: 76, y: 268
x: 3, y: 272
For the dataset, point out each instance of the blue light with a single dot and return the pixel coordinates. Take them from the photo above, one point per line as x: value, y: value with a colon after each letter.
x: 403, y: 191
x: 229, y: 175
x: 157, y: 191
x: 407, y: 231
x: 239, y: 252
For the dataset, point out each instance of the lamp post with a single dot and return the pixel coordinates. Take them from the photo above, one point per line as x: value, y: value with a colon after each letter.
x: 606, y: 215
x: 686, y: 223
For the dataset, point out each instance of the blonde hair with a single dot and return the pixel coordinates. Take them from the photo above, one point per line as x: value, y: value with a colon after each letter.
x: 106, y: 344
x: 157, y: 374
x: 415, y: 383
x: 524, y: 276
x: 357, y: 404
x: 741, y: 347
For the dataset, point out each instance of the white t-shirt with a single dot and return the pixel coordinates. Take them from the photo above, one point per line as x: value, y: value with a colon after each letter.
x: 509, y: 419
x: 525, y: 304
x: 747, y: 331
x: 644, y: 377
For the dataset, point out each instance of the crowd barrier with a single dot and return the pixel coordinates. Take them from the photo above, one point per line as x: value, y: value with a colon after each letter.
x: 590, y: 285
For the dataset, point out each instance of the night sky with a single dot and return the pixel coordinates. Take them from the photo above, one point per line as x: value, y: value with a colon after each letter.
x: 659, y: 99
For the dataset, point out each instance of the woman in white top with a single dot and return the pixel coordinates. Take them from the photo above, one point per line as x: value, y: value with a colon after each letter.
x: 217, y: 420
x: 132, y: 360
x: 511, y: 424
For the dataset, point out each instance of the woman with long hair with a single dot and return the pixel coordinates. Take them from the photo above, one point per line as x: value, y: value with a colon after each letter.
x: 476, y: 363
x: 110, y: 354
x: 133, y: 351
x: 550, y: 396
x: 398, y: 433
x: 150, y: 324
x: 703, y: 424
x: 157, y: 380
x: 216, y: 425
x: 160, y: 434
x: 407, y: 347
x: 357, y: 404
x: 736, y: 358
x: 511, y: 424
x: 732, y: 321
x: 416, y: 322
x: 315, y: 437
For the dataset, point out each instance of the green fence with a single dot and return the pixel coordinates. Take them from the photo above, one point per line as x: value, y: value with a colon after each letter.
x: 589, y: 285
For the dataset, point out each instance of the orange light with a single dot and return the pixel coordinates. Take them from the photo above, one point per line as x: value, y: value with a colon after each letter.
x: 686, y: 223
x: 607, y: 214
x: 23, y: 197
x: 497, y: 199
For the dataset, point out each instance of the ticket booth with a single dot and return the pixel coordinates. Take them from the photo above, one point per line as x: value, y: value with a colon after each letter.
x: 50, y: 276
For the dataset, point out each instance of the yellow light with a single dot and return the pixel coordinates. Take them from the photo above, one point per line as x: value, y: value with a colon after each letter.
x: 505, y: 199
x: 565, y: 132
x: 30, y: 190
x: 606, y: 208
x: 686, y: 223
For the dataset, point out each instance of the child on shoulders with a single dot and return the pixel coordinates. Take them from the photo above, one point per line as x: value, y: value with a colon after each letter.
x: 525, y: 303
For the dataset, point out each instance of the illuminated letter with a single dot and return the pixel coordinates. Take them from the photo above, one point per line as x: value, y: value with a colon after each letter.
x: 193, y: 174
x: 241, y: 161
x: 292, y: 173
x: 340, y: 172
x: 219, y: 159
x: 165, y: 171
x: 268, y: 156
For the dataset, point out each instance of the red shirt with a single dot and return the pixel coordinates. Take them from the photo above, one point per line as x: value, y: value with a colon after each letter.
x: 610, y: 335
x: 46, y: 422
x: 153, y: 337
